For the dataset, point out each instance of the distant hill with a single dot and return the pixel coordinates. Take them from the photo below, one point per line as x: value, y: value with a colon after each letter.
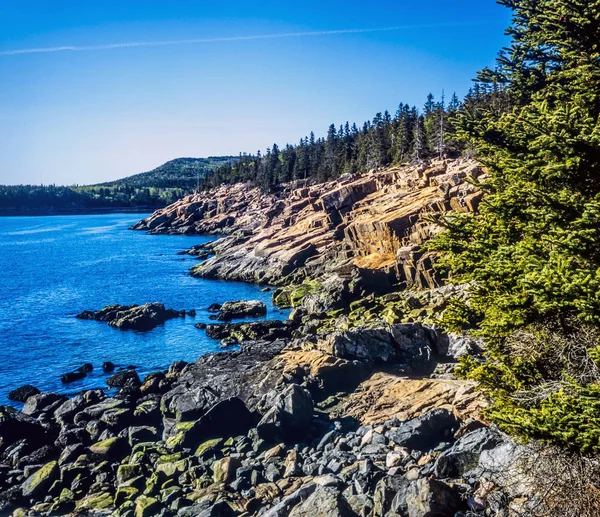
x: 145, y: 191
x: 178, y: 173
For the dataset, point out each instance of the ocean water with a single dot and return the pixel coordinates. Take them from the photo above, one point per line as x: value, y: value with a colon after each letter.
x: 52, y: 268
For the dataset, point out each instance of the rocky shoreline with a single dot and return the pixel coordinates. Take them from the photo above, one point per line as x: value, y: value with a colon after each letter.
x: 349, y: 408
x: 348, y: 424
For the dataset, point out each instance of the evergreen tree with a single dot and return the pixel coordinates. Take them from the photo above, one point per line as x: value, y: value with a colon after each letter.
x: 532, y: 251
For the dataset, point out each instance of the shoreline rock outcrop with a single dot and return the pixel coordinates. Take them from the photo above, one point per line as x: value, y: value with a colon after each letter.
x: 369, y: 229
x: 133, y: 317
x: 270, y: 429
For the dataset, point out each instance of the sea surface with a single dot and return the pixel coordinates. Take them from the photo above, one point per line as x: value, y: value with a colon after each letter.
x: 52, y: 268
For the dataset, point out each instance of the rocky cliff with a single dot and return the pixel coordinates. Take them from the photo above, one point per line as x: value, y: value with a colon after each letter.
x: 369, y: 226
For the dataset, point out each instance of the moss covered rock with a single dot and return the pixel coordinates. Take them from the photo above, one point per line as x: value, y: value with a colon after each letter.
x: 209, y: 447
x: 147, y: 506
x: 102, y: 501
x: 124, y: 494
x: 39, y: 483
x: 111, y: 448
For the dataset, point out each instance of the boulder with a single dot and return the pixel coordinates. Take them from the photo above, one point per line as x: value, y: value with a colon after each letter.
x: 111, y: 448
x: 15, y: 426
x: 37, y: 485
x: 323, y: 502
x: 257, y: 330
x: 410, y: 343
x: 224, y: 469
x: 432, y: 498
x: 290, y: 415
x: 124, y: 378
x: 22, y: 393
x: 426, y: 431
x: 108, y: 366
x: 68, y: 409
x: 43, y: 403
x: 241, y: 309
x: 464, y: 455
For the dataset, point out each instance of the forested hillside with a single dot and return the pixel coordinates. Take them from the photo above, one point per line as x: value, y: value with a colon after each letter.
x: 153, y: 189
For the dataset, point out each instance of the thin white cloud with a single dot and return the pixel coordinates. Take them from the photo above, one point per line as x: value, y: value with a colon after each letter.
x: 111, y: 46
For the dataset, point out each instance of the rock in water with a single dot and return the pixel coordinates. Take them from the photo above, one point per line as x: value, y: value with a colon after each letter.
x: 123, y: 378
x: 23, y: 393
x: 133, y: 317
x: 241, y: 309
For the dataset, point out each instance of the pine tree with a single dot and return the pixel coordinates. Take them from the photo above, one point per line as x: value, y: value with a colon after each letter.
x: 532, y: 252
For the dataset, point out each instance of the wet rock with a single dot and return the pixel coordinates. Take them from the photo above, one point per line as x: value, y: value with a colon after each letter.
x: 425, y: 432
x: 124, y: 378
x: 133, y: 317
x: 432, y: 498
x: 108, y: 366
x: 22, y: 393
x: 241, y: 309
x: 215, y: 307
x: 69, y: 377
x: 43, y: 403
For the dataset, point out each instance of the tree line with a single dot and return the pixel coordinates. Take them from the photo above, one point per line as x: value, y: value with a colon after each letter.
x: 410, y: 136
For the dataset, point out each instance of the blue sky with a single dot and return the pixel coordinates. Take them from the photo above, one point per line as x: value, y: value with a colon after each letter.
x: 89, y: 115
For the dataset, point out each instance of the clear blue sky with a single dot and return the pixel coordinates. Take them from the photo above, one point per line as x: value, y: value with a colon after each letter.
x: 89, y: 115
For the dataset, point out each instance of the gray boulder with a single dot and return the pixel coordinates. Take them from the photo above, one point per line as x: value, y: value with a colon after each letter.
x: 431, y: 498
x: 43, y: 403
x: 323, y: 502
x: 464, y: 455
x: 426, y: 431
x: 289, y: 416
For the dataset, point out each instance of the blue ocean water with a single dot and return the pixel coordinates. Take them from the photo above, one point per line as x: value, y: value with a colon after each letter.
x: 52, y: 268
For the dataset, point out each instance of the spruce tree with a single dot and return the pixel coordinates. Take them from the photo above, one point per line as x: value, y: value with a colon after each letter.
x: 532, y: 252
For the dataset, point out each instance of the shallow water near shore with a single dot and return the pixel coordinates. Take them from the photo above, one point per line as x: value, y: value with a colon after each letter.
x: 52, y: 268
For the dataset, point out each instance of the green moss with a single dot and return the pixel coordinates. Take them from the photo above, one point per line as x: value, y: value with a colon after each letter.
x: 292, y: 296
x: 176, y: 441
x: 41, y: 480
x: 127, y: 472
x: 171, y: 468
x: 208, y: 447
x: 102, y: 501
x: 125, y: 494
x: 146, y: 506
x: 169, y: 458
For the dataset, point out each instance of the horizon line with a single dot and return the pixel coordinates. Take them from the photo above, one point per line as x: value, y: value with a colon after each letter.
x: 136, y: 44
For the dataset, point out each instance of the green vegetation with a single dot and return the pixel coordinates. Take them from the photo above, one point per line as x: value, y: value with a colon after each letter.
x: 532, y: 252
x: 154, y: 189
x: 411, y: 136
